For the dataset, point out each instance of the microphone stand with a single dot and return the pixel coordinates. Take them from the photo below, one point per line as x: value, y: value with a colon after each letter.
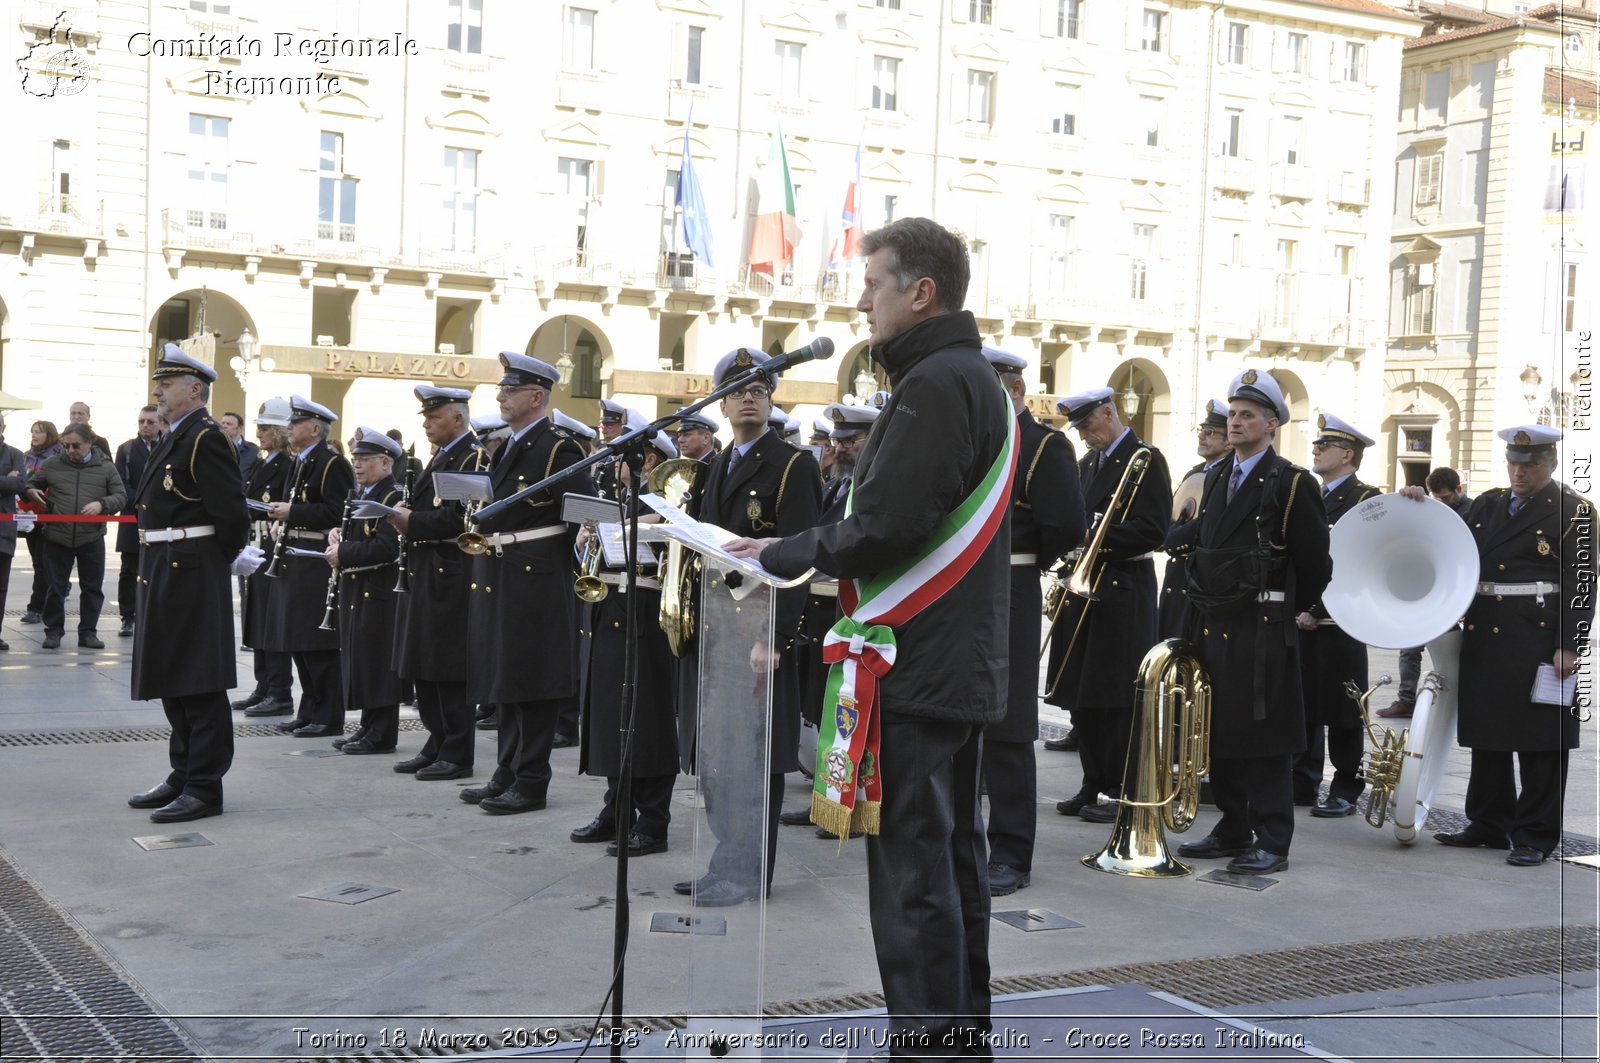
x: 630, y: 447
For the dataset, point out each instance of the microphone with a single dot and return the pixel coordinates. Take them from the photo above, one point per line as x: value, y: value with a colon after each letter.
x: 818, y: 350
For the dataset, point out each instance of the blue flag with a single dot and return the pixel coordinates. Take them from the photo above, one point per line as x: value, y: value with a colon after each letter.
x: 694, y: 225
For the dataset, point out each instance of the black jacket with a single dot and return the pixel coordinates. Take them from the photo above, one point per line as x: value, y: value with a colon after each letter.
x: 1332, y: 658
x: 929, y: 450
x: 130, y: 460
x: 430, y: 637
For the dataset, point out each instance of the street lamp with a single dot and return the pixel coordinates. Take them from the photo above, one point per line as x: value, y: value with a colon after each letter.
x: 865, y: 383
x: 1530, y: 385
x: 1128, y: 399
x: 564, y: 362
x: 247, y: 361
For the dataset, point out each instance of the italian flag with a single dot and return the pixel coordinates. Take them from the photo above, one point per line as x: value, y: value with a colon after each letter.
x: 776, y: 230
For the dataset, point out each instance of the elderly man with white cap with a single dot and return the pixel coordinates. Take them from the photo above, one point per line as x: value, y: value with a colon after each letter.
x: 1532, y: 615
x: 1331, y: 657
x: 1258, y: 557
x: 268, y: 482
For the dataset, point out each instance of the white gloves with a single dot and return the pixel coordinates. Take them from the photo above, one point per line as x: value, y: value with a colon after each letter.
x: 249, y: 559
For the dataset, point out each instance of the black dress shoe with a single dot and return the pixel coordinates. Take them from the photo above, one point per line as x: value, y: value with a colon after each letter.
x: 412, y: 765
x: 511, y: 803
x: 127, y: 627
x: 1098, y: 813
x: 361, y: 746
x: 90, y: 642
x: 562, y: 741
x: 485, y: 712
x: 640, y: 845
x: 1258, y: 862
x: 473, y: 794
x: 154, y: 798
x: 444, y: 769
x: 487, y: 723
x: 340, y: 743
x: 252, y: 698
x: 268, y: 707
x: 1213, y: 848
x: 721, y: 893
x: 1005, y: 880
x: 598, y: 829
x: 184, y: 808
x: 798, y: 817
x: 687, y: 887
x: 1333, y: 808
x: 1471, y: 838
x: 1074, y: 804
x: 316, y: 730
x: 1067, y: 743
x: 51, y: 642
x: 32, y: 617
x: 1525, y: 856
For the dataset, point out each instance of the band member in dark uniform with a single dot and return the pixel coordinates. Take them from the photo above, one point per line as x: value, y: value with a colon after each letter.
x: 1211, y: 443
x: 268, y: 482
x: 364, y: 554
x: 1258, y: 557
x: 697, y: 437
x: 614, y: 417
x: 653, y: 763
x: 1332, y: 658
x: 520, y: 593
x: 1534, y: 608
x: 1097, y: 646
x: 1046, y: 521
x: 758, y: 486
x: 430, y: 629
x: 322, y: 480
x: 568, y: 723
x: 192, y: 526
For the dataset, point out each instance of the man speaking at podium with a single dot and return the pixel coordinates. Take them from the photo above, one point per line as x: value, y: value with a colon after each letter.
x: 919, y: 661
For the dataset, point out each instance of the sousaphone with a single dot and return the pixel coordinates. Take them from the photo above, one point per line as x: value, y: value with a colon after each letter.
x: 1404, y: 572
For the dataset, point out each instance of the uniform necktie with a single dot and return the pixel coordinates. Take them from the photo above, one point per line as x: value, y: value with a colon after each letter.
x: 1516, y: 504
x: 1234, y: 481
x: 1327, y: 489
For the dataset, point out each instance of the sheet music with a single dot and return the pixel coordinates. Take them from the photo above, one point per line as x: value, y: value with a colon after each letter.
x: 463, y: 486
x: 611, y: 548
x: 368, y: 508
x: 297, y: 551
x: 1548, y: 690
x: 255, y: 505
x: 709, y: 539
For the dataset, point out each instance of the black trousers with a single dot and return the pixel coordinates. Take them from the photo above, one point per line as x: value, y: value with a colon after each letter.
x: 90, y: 557
x: 201, y: 746
x: 1531, y: 817
x: 928, y: 889
x: 5, y: 578
x: 524, y: 740
x: 445, y: 713
x: 321, y: 687
x: 651, y: 797
x: 274, y: 674
x: 1012, y: 779
x: 1102, y: 748
x: 40, y: 555
x: 127, y: 584
x: 1254, y: 795
x: 1345, y: 747
x: 734, y: 858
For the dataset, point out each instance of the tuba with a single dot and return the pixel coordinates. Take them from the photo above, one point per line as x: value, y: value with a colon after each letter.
x: 1171, y: 753
x: 1404, y: 572
x: 1085, y: 580
x: 675, y: 480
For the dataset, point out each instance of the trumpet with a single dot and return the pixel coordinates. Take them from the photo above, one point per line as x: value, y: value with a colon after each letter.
x: 588, y: 585
x: 471, y: 542
x: 330, y: 604
x: 1080, y: 582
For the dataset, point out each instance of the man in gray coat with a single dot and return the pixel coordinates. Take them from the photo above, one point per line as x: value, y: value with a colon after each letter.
x: 936, y: 469
x: 80, y: 481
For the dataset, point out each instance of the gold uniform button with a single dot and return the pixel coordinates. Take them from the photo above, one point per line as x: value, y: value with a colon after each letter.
x: 366, y: 594
x: 1205, y: 631
x: 1499, y: 597
x: 1502, y: 568
x: 474, y: 586
x: 488, y: 590
x: 1224, y: 636
x: 1496, y: 631
x: 615, y: 624
x: 527, y: 568
x: 1472, y: 627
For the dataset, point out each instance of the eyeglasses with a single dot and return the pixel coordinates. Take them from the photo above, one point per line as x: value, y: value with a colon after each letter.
x: 1324, y: 444
x: 506, y: 389
x: 73, y: 446
x: 753, y: 391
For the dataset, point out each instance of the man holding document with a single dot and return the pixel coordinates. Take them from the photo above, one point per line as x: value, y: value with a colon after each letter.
x: 1524, y: 632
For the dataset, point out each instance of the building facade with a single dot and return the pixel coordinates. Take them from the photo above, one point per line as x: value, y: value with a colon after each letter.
x: 1155, y: 193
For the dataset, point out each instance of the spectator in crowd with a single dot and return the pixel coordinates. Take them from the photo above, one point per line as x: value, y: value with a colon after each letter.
x: 44, y: 443
x: 233, y: 427
x: 131, y: 458
x: 78, y: 413
x: 13, y: 481
x: 80, y: 480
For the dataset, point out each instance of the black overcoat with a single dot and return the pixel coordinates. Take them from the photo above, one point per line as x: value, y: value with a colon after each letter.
x: 130, y: 462
x: 183, y: 635
x: 774, y: 490
x: 268, y: 482
x: 322, y: 480
x: 430, y: 632
x: 1550, y: 540
x: 655, y: 733
x: 367, y: 553
x: 1250, y: 648
x: 1172, y: 611
x: 1120, y: 627
x: 1046, y: 521
x: 520, y: 604
x: 1330, y: 657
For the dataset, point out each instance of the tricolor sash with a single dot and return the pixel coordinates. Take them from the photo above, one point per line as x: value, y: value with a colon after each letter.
x: 860, y: 649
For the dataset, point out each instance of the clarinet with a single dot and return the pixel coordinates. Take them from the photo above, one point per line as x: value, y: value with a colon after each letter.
x: 330, y: 604
x: 402, y: 581
x: 282, y: 542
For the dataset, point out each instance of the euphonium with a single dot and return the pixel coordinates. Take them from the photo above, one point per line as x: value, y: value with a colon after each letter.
x: 1085, y: 577
x: 470, y: 541
x: 588, y: 585
x: 1169, y: 755
x: 675, y: 480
